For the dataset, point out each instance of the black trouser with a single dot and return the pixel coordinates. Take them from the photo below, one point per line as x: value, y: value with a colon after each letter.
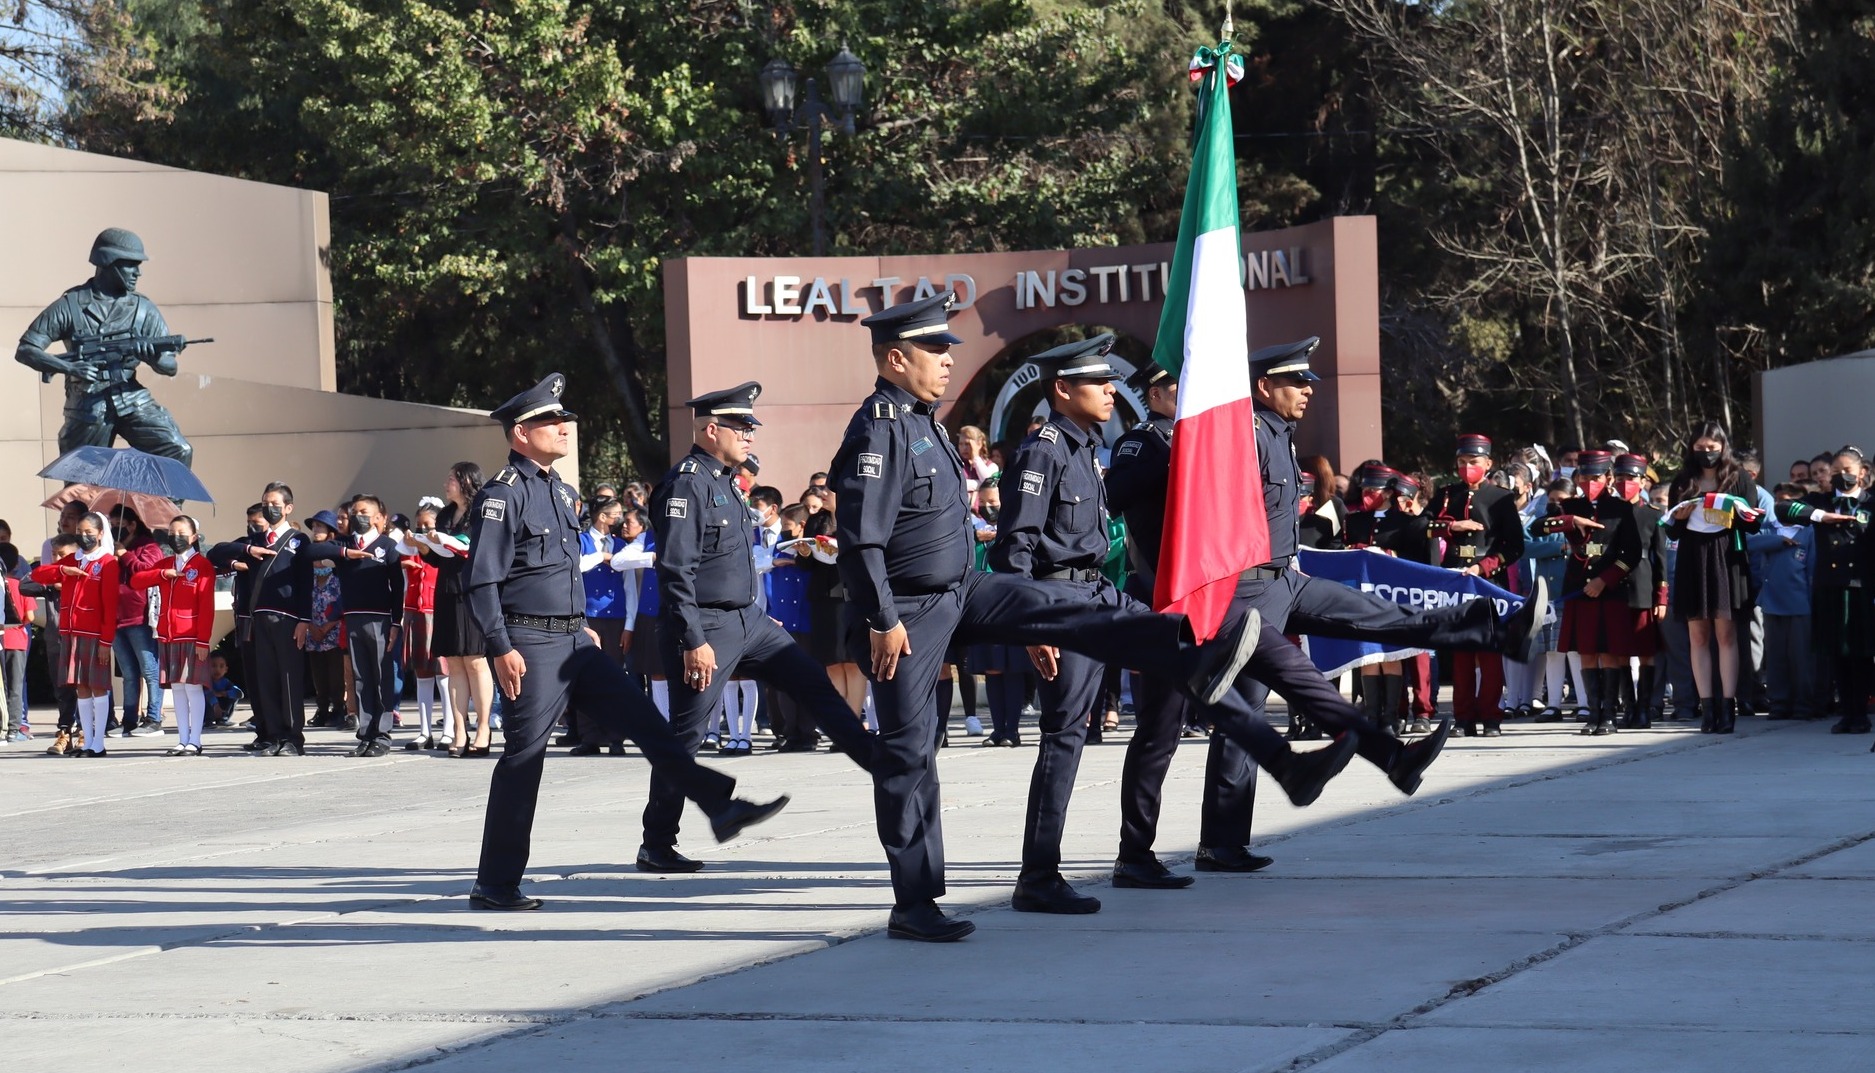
x: 568, y: 669
x: 1065, y: 702
x: 279, y: 676
x: 328, y: 682
x: 1840, y: 630
x: 747, y: 644
x: 611, y: 631
x: 367, y: 639
x: 1159, y: 716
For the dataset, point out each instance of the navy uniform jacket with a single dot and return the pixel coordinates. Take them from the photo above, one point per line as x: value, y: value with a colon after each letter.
x: 1649, y: 578
x: 1138, y: 480
x: 704, y: 559
x: 902, y: 517
x: 1282, y: 489
x: 373, y: 586
x: 1844, y: 558
x: 1496, y: 546
x: 282, y: 584
x: 1054, y: 510
x: 523, y: 551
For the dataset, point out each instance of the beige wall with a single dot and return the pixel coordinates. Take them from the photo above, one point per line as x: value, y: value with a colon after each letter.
x: 1802, y: 410
x: 246, y: 264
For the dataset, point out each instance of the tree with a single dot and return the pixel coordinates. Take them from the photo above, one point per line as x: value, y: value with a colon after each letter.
x: 61, y: 58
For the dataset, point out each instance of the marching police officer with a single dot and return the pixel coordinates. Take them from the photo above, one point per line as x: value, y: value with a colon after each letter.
x: 1053, y: 528
x: 1137, y: 482
x: 523, y: 587
x: 905, y: 551
x: 713, y: 625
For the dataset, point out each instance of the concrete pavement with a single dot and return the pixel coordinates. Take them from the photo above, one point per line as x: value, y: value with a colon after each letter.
x: 1648, y: 901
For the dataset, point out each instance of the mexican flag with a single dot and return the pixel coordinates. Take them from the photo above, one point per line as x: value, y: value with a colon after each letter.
x: 1215, y: 527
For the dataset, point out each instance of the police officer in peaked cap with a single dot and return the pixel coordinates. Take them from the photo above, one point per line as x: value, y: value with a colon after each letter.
x: 712, y: 625
x: 523, y: 587
x: 905, y: 554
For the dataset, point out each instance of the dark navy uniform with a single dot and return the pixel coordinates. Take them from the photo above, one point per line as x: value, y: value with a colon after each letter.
x: 708, y: 595
x: 1842, y: 627
x: 1477, y: 676
x: 1053, y: 528
x: 905, y: 551
x: 280, y: 587
x: 523, y: 587
x: 1137, y: 482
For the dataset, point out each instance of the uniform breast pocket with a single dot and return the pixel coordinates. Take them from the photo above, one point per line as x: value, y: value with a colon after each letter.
x: 919, y: 494
x: 531, y: 545
x: 713, y: 538
x: 1070, y: 513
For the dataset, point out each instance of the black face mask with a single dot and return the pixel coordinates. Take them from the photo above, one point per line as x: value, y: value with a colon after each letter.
x: 122, y: 536
x: 360, y: 523
x: 1706, y: 459
x: 256, y: 530
x: 1845, y: 482
x: 88, y: 542
x: 273, y: 512
x: 989, y: 514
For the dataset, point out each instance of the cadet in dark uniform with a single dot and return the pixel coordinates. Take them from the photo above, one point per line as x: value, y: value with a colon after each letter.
x: 1647, y: 582
x: 713, y: 627
x: 523, y: 587
x: 1381, y: 524
x: 1053, y: 529
x: 1842, y: 628
x: 905, y: 552
x: 1483, y: 536
x: 1137, y: 482
x: 1604, y: 548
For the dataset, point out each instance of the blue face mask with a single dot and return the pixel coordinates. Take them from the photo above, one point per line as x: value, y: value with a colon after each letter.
x: 322, y: 571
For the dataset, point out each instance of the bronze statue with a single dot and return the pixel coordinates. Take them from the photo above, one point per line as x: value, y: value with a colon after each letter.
x: 109, y: 330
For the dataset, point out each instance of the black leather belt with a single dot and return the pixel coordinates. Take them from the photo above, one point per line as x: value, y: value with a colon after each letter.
x: 1273, y: 569
x: 549, y: 623
x: 1071, y: 574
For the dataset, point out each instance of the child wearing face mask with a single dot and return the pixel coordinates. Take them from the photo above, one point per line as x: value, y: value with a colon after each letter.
x: 371, y: 585
x: 88, y: 583
x: 325, y: 630
x: 185, y: 583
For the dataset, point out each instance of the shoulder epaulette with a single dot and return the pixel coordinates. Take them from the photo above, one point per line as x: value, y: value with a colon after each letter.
x: 507, y: 476
x: 1256, y: 419
x: 688, y: 465
x: 1049, y: 433
x: 884, y: 411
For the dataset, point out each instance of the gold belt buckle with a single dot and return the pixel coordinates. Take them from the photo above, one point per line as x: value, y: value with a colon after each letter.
x: 1593, y: 550
x: 1468, y: 551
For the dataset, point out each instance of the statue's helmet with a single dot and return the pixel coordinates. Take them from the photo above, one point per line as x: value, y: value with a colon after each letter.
x: 115, y: 244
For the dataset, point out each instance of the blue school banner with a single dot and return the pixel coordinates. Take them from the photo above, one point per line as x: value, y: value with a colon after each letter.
x: 1412, y: 584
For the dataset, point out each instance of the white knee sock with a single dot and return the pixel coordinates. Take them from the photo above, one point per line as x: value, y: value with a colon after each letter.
x: 751, y: 701
x: 661, y: 696
x: 94, y: 715
x: 191, y: 713
x: 1575, y: 671
x: 426, y: 701
x: 1554, y: 663
x: 447, y: 707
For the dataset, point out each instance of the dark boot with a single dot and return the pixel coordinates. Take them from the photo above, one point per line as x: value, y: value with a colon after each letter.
x: 1708, y: 715
x: 1373, y: 702
x: 1609, y: 694
x: 1726, y: 721
x: 1393, y: 699
x: 1644, y: 699
x: 1591, y: 700
x: 1628, y: 714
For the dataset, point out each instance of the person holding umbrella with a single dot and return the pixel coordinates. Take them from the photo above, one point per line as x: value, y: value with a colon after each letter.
x: 87, y: 580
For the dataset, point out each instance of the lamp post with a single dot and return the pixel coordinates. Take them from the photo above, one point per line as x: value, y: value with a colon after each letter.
x: 847, y: 76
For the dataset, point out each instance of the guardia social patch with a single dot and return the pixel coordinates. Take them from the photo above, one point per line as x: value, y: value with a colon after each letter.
x: 871, y: 465
x: 495, y: 509
x: 1031, y: 483
x: 677, y: 507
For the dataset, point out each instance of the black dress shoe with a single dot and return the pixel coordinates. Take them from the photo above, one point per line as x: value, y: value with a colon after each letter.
x: 1221, y: 659
x: 265, y: 748
x: 926, y: 923
x: 1411, y: 762
x: 375, y: 748
x: 288, y: 748
x: 360, y: 749
x: 740, y: 814
x: 615, y: 750
x: 665, y: 861
x: 1523, y: 626
x: 1230, y: 859
x: 1148, y: 875
x: 1305, y: 774
x: 1051, y: 894
x: 584, y: 748
x: 509, y: 899
x: 1850, y: 726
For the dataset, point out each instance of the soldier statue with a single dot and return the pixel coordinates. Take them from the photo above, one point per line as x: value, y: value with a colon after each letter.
x: 109, y: 330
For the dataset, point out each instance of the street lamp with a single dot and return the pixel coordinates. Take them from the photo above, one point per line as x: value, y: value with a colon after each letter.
x: 847, y: 76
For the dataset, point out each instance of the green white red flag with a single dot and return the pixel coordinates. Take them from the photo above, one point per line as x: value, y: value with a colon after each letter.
x: 1215, y: 527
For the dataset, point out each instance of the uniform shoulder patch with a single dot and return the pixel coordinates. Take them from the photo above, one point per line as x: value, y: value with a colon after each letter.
x: 1049, y: 433
x: 508, y: 476
x: 677, y: 507
x: 495, y: 510
x: 871, y: 465
x: 689, y: 465
x: 1128, y: 447
x: 884, y: 411
x: 1031, y: 483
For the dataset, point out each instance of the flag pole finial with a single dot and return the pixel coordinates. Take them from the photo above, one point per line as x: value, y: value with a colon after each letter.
x: 1228, y: 27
